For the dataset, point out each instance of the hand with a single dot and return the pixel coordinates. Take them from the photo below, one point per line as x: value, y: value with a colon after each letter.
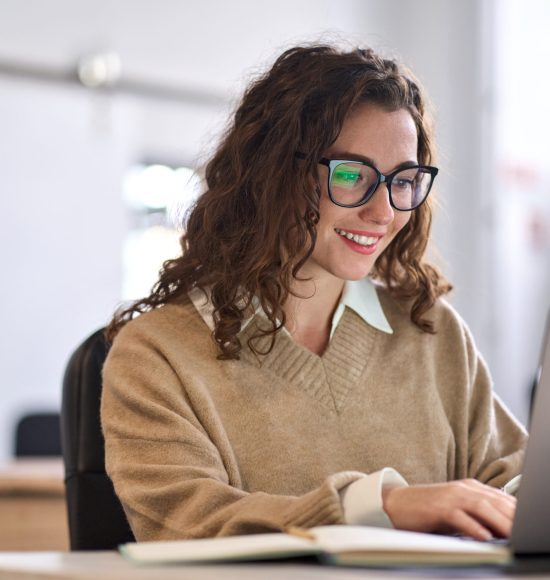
x: 465, y: 506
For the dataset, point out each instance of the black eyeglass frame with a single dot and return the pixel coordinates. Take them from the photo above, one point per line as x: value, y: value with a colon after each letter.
x: 381, y: 178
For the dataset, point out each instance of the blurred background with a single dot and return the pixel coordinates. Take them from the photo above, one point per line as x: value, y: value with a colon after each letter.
x: 107, y: 107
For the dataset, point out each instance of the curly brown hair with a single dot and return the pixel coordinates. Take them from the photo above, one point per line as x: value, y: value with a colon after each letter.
x: 248, y: 234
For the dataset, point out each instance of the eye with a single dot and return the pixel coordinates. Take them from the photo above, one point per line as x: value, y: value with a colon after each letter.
x: 346, y: 176
x: 403, y: 183
x: 405, y: 180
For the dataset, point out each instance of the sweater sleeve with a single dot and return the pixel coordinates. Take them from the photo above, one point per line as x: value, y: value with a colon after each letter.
x: 496, y: 439
x: 170, y: 476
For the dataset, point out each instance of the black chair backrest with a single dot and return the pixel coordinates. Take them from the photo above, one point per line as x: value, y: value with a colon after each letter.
x: 96, y: 518
x: 37, y: 434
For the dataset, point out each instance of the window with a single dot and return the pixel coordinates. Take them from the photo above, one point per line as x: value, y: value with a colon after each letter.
x: 158, y: 197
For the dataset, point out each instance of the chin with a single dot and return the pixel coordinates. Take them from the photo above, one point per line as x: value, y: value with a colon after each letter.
x: 352, y: 274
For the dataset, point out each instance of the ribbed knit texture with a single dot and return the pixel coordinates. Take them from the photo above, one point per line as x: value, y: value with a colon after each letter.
x: 198, y: 447
x: 329, y: 378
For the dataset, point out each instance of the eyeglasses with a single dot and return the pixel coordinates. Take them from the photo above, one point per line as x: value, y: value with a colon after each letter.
x: 353, y: 183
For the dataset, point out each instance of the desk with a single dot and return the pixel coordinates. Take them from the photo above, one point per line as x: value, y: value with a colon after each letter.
x: 32, y: 505
x: 111, y: 566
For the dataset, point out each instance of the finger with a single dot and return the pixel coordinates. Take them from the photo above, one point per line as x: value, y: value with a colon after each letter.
x: 489, y: 507
x: 495, y: 516
x: 469, y: 526
x: 506, y: 498
x: 502, y: 501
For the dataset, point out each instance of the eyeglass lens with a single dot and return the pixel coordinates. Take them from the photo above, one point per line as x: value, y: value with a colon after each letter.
x: 352, y: 182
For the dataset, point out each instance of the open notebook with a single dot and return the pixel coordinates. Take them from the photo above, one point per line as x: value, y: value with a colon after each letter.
x: 342, y: 545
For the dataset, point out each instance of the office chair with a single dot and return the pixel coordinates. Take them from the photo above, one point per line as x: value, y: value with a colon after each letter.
x: 96, y: 518
x: 38, y: 435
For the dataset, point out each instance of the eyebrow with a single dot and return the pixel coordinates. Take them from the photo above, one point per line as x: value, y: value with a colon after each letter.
x: 349, y: 156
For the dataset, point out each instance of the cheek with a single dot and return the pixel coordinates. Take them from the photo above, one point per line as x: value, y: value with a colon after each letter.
x: 400, y: 220
x: 329, y: 214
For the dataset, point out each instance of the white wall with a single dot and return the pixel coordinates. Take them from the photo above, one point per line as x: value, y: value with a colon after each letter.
x: 62, y: 225
x: 520, y: 194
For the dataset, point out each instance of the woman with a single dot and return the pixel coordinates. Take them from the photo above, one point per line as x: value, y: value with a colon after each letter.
x: 296, y: 365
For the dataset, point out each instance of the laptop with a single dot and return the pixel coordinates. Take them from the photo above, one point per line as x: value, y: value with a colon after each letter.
x: 529, y: 542
x: 530, y: 538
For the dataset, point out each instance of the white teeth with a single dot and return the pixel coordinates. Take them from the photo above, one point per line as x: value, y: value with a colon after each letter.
x: 361, y: 240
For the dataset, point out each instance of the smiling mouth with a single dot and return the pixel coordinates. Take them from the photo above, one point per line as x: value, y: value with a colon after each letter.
x: 361, y: 240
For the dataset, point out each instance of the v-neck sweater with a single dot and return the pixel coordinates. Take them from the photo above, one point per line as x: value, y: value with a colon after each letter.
x: 328, y: 378
x: 199, y: 447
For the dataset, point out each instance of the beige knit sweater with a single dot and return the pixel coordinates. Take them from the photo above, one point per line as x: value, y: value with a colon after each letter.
x: 198, y: 447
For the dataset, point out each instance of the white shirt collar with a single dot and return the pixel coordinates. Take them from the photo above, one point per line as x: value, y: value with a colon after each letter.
x: 201, y: 301
x: 360, y: 296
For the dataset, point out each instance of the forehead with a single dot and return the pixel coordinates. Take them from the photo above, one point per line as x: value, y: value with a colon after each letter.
x: 388, y: 138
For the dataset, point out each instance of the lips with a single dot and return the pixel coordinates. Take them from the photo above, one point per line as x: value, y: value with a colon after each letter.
x: 361, y: 242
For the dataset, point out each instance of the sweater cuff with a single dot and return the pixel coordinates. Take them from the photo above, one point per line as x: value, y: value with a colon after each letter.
x: 362, y: 499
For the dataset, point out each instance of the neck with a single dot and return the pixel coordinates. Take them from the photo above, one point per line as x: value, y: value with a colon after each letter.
x: 309, y: 313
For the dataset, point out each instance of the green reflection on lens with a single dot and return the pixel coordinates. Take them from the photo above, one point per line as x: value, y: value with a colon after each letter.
x: 346, y: 177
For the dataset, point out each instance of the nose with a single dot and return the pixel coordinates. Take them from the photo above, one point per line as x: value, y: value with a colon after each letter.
x: 378, y: 208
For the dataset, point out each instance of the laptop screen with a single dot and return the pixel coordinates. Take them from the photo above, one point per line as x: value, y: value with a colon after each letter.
x: 531, y: 529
